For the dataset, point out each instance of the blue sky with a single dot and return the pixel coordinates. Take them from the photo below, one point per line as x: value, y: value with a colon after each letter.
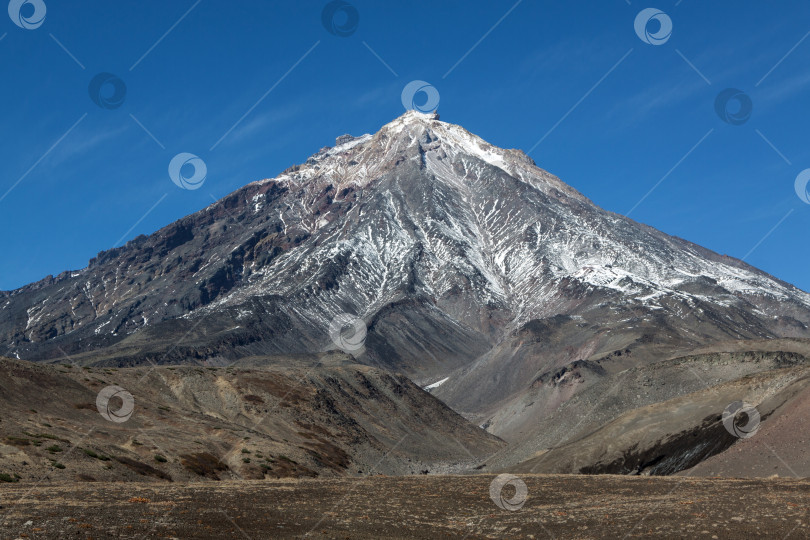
x: 608, y: 113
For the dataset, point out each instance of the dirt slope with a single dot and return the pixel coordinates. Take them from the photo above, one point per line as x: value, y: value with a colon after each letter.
x: 674, y: 435
x: 333, y: 418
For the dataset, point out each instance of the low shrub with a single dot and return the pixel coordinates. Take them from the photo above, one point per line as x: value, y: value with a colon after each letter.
x: 93, y: 454
x: 8, y: 478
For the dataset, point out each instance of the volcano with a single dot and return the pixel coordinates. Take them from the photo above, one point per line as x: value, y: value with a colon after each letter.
x: 478, y: 275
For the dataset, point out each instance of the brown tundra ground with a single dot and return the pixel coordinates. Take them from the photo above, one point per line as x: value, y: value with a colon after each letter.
x: 431, y: 507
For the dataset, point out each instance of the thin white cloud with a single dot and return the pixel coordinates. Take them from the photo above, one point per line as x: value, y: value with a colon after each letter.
x: 780, y: 91
x: 261, y: 122
x: 84, y: 141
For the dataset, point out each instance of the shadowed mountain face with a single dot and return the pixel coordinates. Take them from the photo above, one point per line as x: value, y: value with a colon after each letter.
x: 470, y: 266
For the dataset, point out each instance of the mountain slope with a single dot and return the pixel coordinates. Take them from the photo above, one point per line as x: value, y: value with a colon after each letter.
x: 423, y: 230
x: 329, y: 418
x: 656, y: 419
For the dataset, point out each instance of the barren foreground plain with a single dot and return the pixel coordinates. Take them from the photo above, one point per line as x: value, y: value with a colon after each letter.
x: 558, y: 506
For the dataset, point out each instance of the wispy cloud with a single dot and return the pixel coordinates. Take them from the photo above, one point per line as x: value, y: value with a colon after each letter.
x: 662, y: 95
x: 787, y: 88
x: 87, y: 140
x: 249, y: 131
x: 376, y: 96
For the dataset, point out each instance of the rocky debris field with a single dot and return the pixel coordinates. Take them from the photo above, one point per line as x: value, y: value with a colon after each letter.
x: 412, y: 507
